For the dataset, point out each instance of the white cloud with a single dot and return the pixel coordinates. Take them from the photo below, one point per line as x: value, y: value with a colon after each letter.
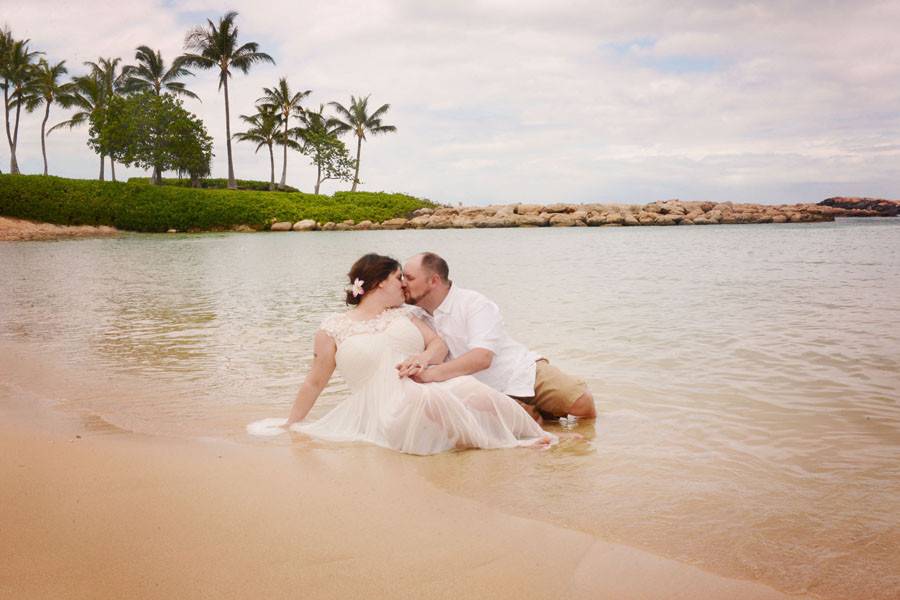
x: 500, y: 101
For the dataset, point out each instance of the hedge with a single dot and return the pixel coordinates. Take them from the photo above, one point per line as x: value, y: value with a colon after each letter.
x: 137, y: 206
x: 218, y: 184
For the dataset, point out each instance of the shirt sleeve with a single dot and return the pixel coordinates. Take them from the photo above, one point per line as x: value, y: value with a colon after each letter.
x: 484, y: 326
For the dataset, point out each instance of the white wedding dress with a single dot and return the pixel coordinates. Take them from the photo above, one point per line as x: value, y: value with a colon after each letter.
x: 402, y: 414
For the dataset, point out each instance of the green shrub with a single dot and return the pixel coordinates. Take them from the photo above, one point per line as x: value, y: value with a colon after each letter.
x: 138, y: 206
x: 218, y: 184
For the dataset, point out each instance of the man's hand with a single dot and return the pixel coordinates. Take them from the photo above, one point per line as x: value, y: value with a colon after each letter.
x: 426, y: 375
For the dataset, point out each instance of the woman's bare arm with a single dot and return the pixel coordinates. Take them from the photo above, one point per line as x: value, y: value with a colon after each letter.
x: 434, y: 354
x: 317, y: 378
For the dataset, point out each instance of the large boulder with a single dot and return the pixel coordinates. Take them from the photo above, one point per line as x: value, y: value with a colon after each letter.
x: 494, y: 221
x: 419, y: 222
x: 439, y: 222
x: 561, y: 219
x: 281, y: 226
x: 672, y: 207
x: 305, y: 225
x: 462, y: 222
x: 714, y: 216
x: 614, y: 218
x: 667, y: 219
x: 398, y: 223
x: 532, y: 220
x: 529, y: 209
x: 477, y: 211
x: 646, y: 218
x: 595, y: 219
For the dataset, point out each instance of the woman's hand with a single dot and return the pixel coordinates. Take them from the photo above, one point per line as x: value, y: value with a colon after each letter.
x: 413, y: 365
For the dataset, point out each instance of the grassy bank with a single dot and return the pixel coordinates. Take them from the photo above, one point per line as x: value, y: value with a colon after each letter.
x: 136, y: 206
x: 218, y: 184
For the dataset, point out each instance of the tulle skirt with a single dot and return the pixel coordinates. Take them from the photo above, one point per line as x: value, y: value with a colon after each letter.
x: 417, y: 418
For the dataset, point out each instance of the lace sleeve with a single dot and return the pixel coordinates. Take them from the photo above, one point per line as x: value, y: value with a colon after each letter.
x: 332, y: 326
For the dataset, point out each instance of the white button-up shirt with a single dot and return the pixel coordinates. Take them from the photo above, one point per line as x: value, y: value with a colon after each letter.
x: 466, y: 320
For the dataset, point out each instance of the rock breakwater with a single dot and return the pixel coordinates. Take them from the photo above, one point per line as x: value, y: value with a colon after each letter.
x: 661, y: 213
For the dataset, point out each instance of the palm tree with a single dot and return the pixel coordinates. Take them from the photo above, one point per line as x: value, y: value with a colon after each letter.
x: 89, y: 95
x: 151, y: 74
x: 112, y: 81
x: 217, y: 46
x: 16, y: 70
x: 281, y: 99
x: 264, y: 130
x: 47, y: 90
x: 357, y: 120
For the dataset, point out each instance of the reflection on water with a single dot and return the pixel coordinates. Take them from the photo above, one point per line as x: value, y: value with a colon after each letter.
x: 747, y: 377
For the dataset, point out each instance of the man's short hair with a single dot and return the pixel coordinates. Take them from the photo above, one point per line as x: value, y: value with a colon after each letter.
x: 435, y: 264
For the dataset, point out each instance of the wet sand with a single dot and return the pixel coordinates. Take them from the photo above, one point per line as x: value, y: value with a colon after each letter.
x: 19, y: 229
x: 88, y: 513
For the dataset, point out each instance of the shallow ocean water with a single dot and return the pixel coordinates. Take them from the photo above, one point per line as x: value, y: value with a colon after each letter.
x: 747, y: 377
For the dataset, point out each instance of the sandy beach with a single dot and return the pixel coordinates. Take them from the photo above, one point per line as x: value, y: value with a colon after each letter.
x: 12, y: 230
x: 89, y: 512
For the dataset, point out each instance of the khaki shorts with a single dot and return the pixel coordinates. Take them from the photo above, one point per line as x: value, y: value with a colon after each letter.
x: 554, y: 391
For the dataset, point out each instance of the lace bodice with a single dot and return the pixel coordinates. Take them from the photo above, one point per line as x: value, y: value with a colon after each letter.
x: 340, y: 326
x: 369, y: 350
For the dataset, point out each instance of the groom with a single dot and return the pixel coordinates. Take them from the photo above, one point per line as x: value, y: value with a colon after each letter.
x: 472, y: 327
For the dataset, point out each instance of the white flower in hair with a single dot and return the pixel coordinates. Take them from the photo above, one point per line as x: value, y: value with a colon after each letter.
x: 357, y: 288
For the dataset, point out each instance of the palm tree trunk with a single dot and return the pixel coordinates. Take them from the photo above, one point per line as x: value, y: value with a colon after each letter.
x: 232, y: 184
x: 44, y: 136
x: 13, y: 163
x: 271, y: 168
x: 12, y: 156
x: 284, y: 164
x: 356, y: 173
x: 102, y: 164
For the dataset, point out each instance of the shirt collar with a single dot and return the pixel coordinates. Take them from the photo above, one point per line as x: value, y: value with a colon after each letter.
x: 447, y: 305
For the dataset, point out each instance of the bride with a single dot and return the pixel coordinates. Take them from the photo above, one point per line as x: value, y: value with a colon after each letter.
x: 379, y: 346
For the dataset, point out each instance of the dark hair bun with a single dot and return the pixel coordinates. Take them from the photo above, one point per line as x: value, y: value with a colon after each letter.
x: 371, y: 269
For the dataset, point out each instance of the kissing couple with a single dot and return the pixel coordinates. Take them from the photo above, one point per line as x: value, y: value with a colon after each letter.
x: 430, y: 368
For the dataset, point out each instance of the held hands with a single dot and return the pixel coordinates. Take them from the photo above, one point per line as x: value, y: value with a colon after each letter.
x: 413, y: 367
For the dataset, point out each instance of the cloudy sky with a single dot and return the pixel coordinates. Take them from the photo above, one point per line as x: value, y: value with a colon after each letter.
x: 540, y: 101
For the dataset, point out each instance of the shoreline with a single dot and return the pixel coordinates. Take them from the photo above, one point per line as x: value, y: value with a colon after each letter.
x: 661, y: 213
x: 15, y: 230
x: 94, y: 512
